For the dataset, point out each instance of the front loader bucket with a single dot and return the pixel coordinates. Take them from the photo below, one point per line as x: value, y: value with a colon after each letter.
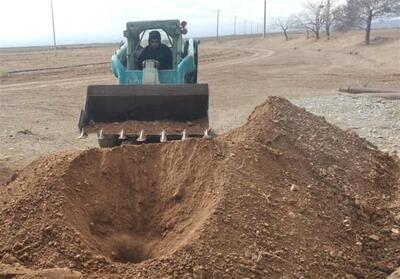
x: 110, y: 109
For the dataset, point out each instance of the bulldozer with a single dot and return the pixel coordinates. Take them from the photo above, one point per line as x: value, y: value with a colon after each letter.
x: 149, y: 104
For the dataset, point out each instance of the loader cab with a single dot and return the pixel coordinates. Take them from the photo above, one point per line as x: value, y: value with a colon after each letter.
x: 184, y: 53
x: 137, y: 38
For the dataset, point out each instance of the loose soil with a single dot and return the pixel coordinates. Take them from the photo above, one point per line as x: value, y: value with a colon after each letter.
x: 286, y: 195
x: 6, y: 174
x: 39, y: 110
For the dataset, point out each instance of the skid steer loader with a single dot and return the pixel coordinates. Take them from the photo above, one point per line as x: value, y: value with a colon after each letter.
x: 149, y: 104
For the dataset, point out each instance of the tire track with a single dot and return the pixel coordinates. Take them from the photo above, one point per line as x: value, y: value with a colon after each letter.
x: 54, y: 82
x: 257, y: 54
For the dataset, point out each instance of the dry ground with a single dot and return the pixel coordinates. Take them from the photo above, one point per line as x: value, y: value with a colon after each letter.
x: 39, y: 110
x: 287, y: 195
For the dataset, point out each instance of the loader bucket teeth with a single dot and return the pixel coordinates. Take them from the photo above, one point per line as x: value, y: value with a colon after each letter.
x: 100, y: 136
x: 184, y: 135
x: 163, y: 137
x: 123, y: 110
x: 141, y: 137
x: 122, y: 135
x: 83, y: 134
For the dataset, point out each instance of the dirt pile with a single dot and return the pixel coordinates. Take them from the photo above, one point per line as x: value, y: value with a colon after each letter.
x: 285, y: 195
x: 5, y: 174
x: 10, y: 271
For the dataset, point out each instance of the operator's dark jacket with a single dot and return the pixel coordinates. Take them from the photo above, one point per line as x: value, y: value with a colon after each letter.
x: 162, y: 54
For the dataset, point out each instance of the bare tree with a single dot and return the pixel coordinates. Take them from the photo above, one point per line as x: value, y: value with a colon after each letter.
x: 370, y: 9
x: 328, y: 18
x: 361, y: 13
x: 284, y: 24
x: 343, y: 21
x: 312, y: 17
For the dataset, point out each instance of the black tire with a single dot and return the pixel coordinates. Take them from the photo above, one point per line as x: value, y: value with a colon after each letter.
x: 191, y: 77
x: 196, y: 60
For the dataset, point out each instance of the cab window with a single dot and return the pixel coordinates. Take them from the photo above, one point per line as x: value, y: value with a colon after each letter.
x: 165, y: 39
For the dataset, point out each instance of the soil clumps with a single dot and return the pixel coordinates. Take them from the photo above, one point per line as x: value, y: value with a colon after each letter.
x: 287, y: 195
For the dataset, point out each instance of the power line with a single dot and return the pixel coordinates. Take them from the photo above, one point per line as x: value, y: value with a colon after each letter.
x: 218, y: 11
x: 54, y: 28
x: 265, y: 19
x: 234, y: 28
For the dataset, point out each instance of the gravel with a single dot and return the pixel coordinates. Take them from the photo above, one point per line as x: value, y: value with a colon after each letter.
x: 376, y: 119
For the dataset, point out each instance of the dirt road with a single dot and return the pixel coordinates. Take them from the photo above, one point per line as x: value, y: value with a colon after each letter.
x: 39, y: 109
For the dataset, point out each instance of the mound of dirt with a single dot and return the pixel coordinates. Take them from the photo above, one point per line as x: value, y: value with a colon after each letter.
x: 6, y: 175
x: 287, y: 195
x: 8, y: 271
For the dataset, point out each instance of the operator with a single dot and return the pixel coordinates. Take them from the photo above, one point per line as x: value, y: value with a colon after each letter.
x: 156, y: 51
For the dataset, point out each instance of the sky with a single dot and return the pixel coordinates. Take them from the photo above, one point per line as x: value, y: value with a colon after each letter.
x: 28, y: 22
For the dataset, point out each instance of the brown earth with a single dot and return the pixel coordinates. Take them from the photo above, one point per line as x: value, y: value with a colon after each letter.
x: 39, y: 110
x: 19, y: 272
x: 5, y: 174
x: 286, y: 195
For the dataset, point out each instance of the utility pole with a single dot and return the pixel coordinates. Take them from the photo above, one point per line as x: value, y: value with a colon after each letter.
x: 218, y: 23
x: 234, y: 28
x: 54, y: 28
x: 265, y: 19
x: 251, y: 28
x: 244, y: 27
